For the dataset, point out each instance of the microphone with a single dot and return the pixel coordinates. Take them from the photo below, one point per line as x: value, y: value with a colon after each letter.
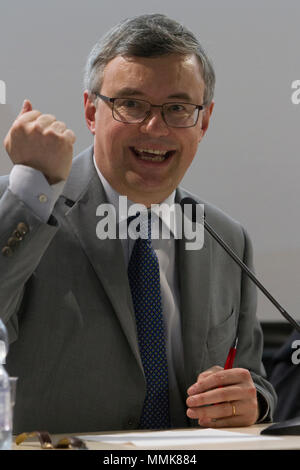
x: 243, y: 266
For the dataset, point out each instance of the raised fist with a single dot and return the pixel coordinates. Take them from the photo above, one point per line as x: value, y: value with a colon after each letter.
x: 41, y: 142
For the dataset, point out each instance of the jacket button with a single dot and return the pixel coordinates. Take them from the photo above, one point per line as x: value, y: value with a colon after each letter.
x: 7, y: 251
x: 12, y: 242
x: 17, y: 234
x: 22, y: 228
x: 43, y: 198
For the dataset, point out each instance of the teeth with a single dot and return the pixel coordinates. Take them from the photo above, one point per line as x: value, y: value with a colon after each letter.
x: 155, y: 152
x: 152, y: 159
x: 160, y: 154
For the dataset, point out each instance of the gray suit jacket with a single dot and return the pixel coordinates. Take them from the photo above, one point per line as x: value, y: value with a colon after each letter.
x: 65, y: 297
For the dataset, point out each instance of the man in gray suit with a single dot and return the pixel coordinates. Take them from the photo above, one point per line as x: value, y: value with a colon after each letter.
x: 65, y: 294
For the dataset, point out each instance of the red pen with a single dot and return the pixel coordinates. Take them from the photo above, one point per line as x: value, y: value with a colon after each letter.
x: 231, y: 355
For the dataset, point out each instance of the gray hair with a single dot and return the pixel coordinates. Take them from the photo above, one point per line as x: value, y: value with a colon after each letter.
x: 146, y: 36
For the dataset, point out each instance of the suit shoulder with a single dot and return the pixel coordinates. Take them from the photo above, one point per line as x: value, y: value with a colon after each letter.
x: 213, y: 214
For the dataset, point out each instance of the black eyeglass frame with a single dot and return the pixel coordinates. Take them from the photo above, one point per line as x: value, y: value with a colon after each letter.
x: 199, y: 108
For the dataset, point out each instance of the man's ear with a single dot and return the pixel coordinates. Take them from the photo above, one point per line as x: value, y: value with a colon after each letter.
x: 89, y: 111
x: 205, y: 120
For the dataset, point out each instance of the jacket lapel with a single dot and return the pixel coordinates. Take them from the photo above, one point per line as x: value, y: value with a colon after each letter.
x: 82, y: 195
x: 194, y: 267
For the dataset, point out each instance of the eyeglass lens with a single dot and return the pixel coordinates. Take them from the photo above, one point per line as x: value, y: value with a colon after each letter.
x: 175, y: 114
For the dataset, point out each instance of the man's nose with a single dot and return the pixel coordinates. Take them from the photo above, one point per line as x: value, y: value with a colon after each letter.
x: 155, y: 124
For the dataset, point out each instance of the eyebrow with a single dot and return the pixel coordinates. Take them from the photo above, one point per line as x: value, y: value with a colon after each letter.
x: 127, y: 92
x: 180, y: 96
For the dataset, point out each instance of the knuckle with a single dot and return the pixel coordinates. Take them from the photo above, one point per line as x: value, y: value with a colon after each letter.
x: 252, y: 392
x: 48, y: 117
x: 54, y: 136
x: 219, y: 377
x: 245, y: 374
x: 35, y: 115
x: 71, y: 135
x: 51, y: 134
x: 60, y: 124
x: 37, y: 128
x: 71, y: 138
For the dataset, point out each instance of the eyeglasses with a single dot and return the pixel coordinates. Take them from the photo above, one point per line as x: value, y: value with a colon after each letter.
x: 134, y: 111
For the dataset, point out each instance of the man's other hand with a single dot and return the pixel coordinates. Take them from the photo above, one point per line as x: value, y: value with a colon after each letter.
x: 223, y: 398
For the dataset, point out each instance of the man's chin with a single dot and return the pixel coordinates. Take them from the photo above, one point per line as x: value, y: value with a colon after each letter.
x: 148, y: 193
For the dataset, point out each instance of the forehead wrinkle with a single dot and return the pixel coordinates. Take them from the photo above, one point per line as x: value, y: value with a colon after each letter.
x: 140, y: 79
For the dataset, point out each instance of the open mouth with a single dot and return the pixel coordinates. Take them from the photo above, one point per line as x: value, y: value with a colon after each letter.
x: 152, y: 155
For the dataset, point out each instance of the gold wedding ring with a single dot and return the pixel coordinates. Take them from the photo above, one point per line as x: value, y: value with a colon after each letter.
x: 233, y: 409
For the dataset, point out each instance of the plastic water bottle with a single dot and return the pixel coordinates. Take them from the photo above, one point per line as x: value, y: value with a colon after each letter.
x: 5, y: 405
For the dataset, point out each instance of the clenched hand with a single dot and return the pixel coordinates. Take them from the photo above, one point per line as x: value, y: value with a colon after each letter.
x: 41, y: 142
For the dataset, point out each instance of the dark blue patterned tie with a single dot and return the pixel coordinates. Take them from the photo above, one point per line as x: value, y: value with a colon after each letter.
x: 144, y: 280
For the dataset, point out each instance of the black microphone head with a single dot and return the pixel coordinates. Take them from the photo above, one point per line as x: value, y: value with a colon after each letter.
x: 188, y: 201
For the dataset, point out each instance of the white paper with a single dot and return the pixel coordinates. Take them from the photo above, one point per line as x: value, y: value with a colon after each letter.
x: 175, y: 438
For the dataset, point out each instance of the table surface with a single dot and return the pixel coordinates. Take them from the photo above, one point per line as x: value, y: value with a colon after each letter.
x: 284, y: 443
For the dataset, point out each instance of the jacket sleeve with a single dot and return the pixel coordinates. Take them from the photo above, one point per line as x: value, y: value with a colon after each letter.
x: 23, y: 240
x: 250, y: 346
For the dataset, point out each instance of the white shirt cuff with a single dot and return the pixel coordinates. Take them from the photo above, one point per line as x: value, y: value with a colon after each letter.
x: 31, y: 187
